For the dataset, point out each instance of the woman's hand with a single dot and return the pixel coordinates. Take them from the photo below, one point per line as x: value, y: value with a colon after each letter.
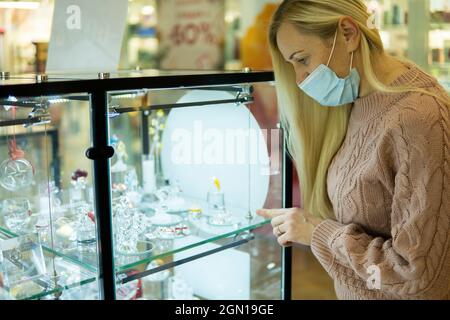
x: 293, y: 225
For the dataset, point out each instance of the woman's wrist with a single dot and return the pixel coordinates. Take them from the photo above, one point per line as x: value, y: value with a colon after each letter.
x: 315, y: 221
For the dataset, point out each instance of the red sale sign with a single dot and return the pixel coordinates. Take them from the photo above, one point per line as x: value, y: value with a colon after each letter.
x: 191, y: 33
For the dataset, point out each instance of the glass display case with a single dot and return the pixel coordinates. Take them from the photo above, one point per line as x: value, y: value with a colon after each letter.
x: 418, y: 30
x: 141, y: 185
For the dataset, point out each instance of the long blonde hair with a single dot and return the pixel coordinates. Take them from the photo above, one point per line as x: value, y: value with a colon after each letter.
x: 315, y: 133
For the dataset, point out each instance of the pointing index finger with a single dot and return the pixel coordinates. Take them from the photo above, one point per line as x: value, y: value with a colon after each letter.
x: 271, y: 213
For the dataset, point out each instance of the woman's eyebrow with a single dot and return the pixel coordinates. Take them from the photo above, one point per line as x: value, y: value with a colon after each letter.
x: 294, y: 53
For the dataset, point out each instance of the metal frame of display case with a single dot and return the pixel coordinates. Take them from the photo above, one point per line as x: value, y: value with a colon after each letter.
x: 100, y: 152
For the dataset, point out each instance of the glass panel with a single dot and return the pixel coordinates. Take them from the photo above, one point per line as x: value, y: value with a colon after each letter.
x: 254, y: 274
x: 190, y: 170
x: 266, y: 266
x: 46, y: 195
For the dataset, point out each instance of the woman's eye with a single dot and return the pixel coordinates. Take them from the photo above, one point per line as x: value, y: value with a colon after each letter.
x: 302, y: 61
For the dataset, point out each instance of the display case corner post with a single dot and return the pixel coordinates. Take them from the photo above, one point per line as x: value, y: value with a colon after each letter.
x: 286, y: 286
x: 103, y: 208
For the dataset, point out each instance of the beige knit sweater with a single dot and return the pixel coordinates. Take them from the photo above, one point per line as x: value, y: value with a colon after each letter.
x: 390, y: 188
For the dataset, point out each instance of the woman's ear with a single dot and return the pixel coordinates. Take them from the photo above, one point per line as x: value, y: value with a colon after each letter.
x: 350, y: 29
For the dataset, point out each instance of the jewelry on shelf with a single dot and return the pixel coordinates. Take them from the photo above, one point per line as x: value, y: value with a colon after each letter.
x: 218, y: 214
x: 84, y: 225
x: 16, y: 172
x: 168, y: 233
x: 129, y: 225
x: 123, y: 176
x: 16, y: 214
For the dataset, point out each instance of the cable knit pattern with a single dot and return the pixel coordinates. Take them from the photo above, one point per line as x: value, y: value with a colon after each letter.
x: 390, y: 188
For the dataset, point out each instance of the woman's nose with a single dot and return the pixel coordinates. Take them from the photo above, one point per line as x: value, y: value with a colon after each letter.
x: 300, y: 77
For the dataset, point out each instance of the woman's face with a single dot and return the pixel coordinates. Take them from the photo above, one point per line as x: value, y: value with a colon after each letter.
x: 306, y: 52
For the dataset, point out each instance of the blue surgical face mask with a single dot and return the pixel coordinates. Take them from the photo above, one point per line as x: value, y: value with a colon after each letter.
x: 324, y: 85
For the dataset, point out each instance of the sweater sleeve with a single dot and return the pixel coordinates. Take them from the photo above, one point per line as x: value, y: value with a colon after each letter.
x: 414, y: 262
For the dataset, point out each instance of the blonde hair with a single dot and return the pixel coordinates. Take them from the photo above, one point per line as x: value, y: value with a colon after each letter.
x: 315, y: 133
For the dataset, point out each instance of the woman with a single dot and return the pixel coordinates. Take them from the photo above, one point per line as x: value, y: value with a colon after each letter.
x: 370, y: 135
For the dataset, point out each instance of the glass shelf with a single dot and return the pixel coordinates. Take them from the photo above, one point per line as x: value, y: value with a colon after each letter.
x: 84, y: 259
x: 70, y: 274
x: 198, y: 227
x: 395, y: 27
x: 440, y: 26
x: 404, y: 27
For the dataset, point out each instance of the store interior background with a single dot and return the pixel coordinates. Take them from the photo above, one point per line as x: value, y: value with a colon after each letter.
x: 416, y: 29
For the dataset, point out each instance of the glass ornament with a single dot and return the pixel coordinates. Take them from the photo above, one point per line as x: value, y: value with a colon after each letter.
x: 16, y: 174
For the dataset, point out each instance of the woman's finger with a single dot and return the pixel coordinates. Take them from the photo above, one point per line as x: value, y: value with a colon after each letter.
x: 271, y: 213
x: 284, y: 240
x: 275, y: 232
x: 278, y: 220
x: 278, y: 230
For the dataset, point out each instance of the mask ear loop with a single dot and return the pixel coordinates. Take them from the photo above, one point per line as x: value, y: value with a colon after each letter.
x: 351, y: 61
x: 334, y: 46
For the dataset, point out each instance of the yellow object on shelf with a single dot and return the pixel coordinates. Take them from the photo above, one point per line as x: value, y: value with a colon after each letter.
x: 196, y: 212
x: 216, y: 183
